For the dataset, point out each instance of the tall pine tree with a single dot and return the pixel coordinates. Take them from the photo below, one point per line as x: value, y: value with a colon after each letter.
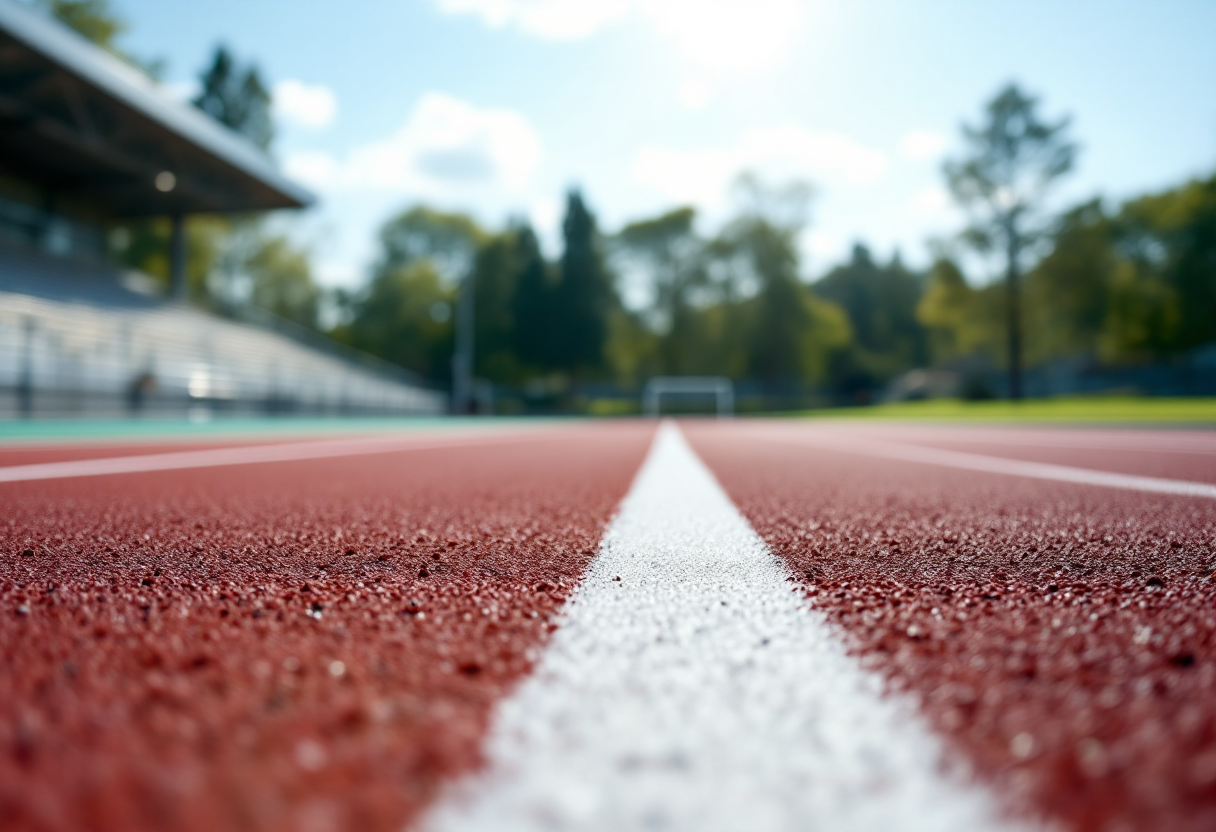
x: 534, y: 333
x: 584, y: 295
x: 1012, y: 160
x: 236, y: 97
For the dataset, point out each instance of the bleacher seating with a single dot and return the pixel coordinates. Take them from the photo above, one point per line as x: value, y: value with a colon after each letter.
x: 92, y: 339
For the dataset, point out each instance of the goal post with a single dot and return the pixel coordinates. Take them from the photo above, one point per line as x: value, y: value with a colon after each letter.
x: 719, y: 387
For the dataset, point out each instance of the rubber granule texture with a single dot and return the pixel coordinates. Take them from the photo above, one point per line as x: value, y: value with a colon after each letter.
x: 309, y: 645
x: 1063, y: 637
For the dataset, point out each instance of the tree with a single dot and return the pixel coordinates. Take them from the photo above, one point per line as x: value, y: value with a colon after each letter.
x: 584, y: 296
x: 448, y: 240
x: 92, y: 19
x: 281, y: 280
x: 960, y: 321
x: 1131, y: 285
x: 1069, y: 291
x: 1168, y: 244
x: 143, y: 244
x: 880, y: 302
x: 668, y: 251
x: 496, y: 271
x: 236, y: 97
x: 97, y: 22
x: 403, y: 316
x: 534, y: 334
x: 1012, y: 160
x: 790, y: 332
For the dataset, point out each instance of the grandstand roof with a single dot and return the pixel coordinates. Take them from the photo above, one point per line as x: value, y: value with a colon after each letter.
x: 79, y: 121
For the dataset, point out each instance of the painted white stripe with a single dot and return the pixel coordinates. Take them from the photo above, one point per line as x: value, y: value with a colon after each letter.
x: 242, y: 455
x: 996, y: 465
x: 700, y: 692
x: 1034, y: 439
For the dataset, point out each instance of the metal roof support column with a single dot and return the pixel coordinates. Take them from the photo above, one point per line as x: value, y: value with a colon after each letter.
x: 177, y: 257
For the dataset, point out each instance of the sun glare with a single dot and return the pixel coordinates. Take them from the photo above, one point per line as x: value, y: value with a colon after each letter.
x: 727, y: 37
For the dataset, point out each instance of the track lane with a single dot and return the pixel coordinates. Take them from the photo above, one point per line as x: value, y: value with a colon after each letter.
x: 689, y: 687
x: 23, y: 454
x: 1183, y: 455
x: 1177, y: 440
x: 171, y: 641
x: 51, y: 461
x: 989, y: 464
x: 1062, y: 636
x: 243, y: 721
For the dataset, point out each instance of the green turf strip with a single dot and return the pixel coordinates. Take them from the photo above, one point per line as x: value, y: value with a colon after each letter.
x: 1077, y: 409
x: 58, y: 431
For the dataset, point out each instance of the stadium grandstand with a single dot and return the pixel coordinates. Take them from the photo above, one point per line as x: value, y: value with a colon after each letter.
x: 86, y: 142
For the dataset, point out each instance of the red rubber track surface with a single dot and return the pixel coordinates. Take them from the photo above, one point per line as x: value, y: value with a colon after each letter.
x: 1183, y: 455
x: 169, y: 639
x: 1062, y: 636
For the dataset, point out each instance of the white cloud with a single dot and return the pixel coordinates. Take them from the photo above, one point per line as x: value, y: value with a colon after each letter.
x: 708, y: 30
x: 931, y: 202
x: 307, y: 105
x: 922, y: 145
x: 545, y: 215
x: 823, y: 245
x: 337, y: 273
x: 695, y: 95
x: 447, y: 147
x: 703, y: 176
x: 312, y: 166
x: 714, y: 42
x: 557, y: 20
x: 727, y: 36
x: 183, y: 91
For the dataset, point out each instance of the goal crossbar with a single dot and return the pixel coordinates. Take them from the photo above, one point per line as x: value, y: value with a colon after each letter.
x: 719, y: 386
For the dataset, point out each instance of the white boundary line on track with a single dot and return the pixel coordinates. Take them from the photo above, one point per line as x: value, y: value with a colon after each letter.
x: 242, y: 455
x: 690, y: 686
x: 1082, y: 443
x: 884, y: 449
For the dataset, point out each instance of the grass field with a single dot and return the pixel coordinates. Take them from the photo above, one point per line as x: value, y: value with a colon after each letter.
x: 1079, y: 409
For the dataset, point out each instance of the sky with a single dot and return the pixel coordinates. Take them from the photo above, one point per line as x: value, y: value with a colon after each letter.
x: 497, y: 107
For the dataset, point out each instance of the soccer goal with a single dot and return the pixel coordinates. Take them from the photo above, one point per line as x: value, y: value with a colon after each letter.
x: 687, y: 386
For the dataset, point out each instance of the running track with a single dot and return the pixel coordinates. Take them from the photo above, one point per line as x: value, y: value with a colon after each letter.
x: 735, y: 626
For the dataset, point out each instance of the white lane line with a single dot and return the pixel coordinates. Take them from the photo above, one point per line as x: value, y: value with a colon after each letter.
x: 996, y: 465
x: 242, y: 455
x: 699, y: 692
x: 1032, y: 441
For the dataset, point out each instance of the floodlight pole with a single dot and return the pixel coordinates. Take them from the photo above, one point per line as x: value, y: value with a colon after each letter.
x: 177, y: 256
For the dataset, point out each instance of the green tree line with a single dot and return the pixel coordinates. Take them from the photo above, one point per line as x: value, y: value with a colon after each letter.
x: 1119, y: 284
x: 1126, y: 283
